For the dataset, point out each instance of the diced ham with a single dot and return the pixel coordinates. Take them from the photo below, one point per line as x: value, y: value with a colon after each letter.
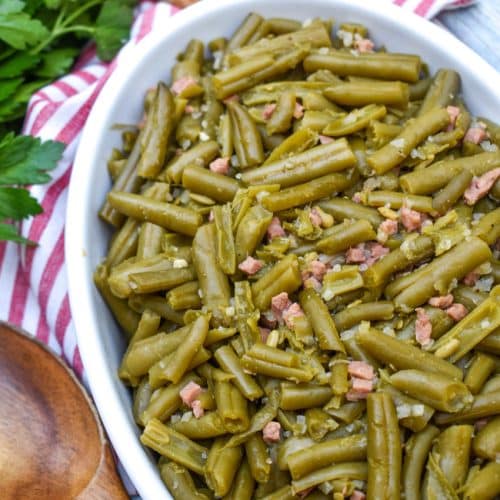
x: 275, y: 229
x: 387, y: 228
x: 376, y: 251
x: 317, y: 269
x: 264, y: 333
x: 471, y: 278
x: 271, y: 432
x: 357, y: 495
x: 189, y: 393
x: 324, y: 139
x: 312, y: 282
x: 411, y: 219
x: 480, y: 186
x: 475, y: 135
x: 250, y: 265
x: 364, y: 45
x: 315, y: 217
x: 298, y: 111
x: 268, y: 319
x: 268, y: 110
x: 360, y: 389
x: 442, y: 302
x: 220, y: 166
x: 182, y: 84
x: 361, y: 369
x: 423, y: 327
x: 355, y: 255
x: 356, y: 197
x: 453, y: 112
x: 188, y: 109
x: 456, y: 312
x: 211, y: 216
x: 197, y: 408
x: 294, y: 311
x: 279, y: 304
x: 232, y: 98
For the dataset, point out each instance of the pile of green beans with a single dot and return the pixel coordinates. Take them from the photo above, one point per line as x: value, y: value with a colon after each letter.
x: 251, y: 262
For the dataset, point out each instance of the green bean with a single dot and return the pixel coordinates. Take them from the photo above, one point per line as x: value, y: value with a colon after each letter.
x: 346, y: 235
x: 226, y: 254
x: 269, y: 368
x: 315, y: 162
x: 216, y: 186
x: 139, y: 303
x: 445, y: 199
x: 317, y: 456
x: 417, y: 449
x: 251, y: 230
x: 486, y: 443
x: 384, y: 447
x: 149, y: 240
x: 369, y: 311
x: 356, y: 120
x: 205, y: 427
x: 280, y: 25
x: 396, y: 200
x: 243, y: 483
x: 492, y: 385
x: 228, y: 360
x: 393, y: 153
x: 274, y: 355
x: 124, y: 243
x: 484, y: 405
x: 302, y: 396
x: 184, y: 296
x: 295, y: 143
x: 316, y: 189
x: 245, y: 31
x: 488, y: 227
x: 419, y: 89
x: 378, y: 65
x: 480, y: 369
x: 404, y: 356
x: 281, y: 118
x: 369, y: 94
x: 343, y: 208
x: 491, y: 343
x: 174, y: 446
x: 349, y: 412
x: 283, y: 493
x: 319, y: 423
x: 443, y: 90
x: 270, y: 92
x: 179, y: 480
x: 484, y: 484
x: 315, y: 101
x: 142, y: 397
x: 231, y: 406
x: 430, y: 179
x: 284, y: 276
x: 469, y: 297
x: 155, y: 281
x: 258, y: 458
x: 157, y: 131
x: 221, y: 467
x: 435, y: 484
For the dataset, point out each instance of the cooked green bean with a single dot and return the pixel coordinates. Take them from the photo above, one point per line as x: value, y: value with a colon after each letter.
x: 243, y: 483
x: 179, y: 480
x: 184, y: 296
x: 343, y: 208
x: 301, y: 396
x: 231, y: 406
x: 486, y: 443
x: 443, y: 200
x: 370, y: 311
x: 443, y: 90
x: 216, y: 186
x: 258, y: 458
x: 483, y: 484
x: 356, y: 120
x: 369, y: 93
x: 480, y: 369
x: 484, y: 405
x: 222, y: 465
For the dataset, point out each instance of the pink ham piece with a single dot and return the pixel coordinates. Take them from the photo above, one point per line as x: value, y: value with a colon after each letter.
x: 364, y: 45
x: 411, y: 219
x: 387, y: 228
x: 442, y: 302
x: 279, y: 304
x: 357, y: 495
x: 471, y: 278
x: 298, y: 112
x: 182, y: 84
x: 264, y: 333
x: 366, y: 254
x: 423, y: 327
x: 271, y: 432
x: 453, y: 112
x: 315, y: 218
x: 188, y: 109
x: 189, y: 393
x: 250, y: 265
x: 475, y: 135
x: 317, y: 269
x: 361, y: 369
x: 356, y: 197
x: 457, y: 311
x: 360, y: 389
x: 480, y: 186
x: 275, y: 230
x: 312, y: 282
x: 268, y: 110
x: 197, y: 408
x: 220, y: 166
x: 376, y: 252
x: 294, y: 311
x: 324, y: 139
x: 355, y: 255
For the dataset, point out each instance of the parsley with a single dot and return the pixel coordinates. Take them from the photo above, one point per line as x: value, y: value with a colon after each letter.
x: 39, y: 41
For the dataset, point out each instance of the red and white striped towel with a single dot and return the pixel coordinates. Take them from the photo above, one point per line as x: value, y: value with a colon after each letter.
x: 33, y: 286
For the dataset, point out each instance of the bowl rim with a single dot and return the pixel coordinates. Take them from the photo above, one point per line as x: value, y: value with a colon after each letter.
x: 92, y: 352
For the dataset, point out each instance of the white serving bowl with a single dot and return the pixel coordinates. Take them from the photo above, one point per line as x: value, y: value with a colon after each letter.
x: 100, y: 341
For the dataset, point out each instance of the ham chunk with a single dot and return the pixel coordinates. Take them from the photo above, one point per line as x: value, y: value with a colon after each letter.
x: 189, y: 393
x: 456, y: 312
x: 197, y: 408
x: 357, y: 495
x: 324, y: 139
x: 315, y: 218
x: 360, y: 389
x: 220, y: 166
x: 442, y: 302
x: 279, y: 304
x: 423, y: 327
x: 298, y: 111
x: 361, y: 369
x: 317, y: 269
x: 188, y: 109
x: 386, y: 229
x: 355, y: 255
x: 453, y: 112
x: 471, y: 278
x: 268, y: 110
x: 364, y: 45
x: 411, y: 219
x: 250, y: 265
x: 182, y: 84
x: 475, y: 135
x: 366, y: 254
x: 264, y: 333
x: 275, y: 229
x: 312, y: 282
x: 480, y: 186
x: 294, y: 311
x: 271, y: 432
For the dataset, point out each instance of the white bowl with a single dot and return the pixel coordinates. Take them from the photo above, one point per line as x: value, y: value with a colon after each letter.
x: 100, y: 341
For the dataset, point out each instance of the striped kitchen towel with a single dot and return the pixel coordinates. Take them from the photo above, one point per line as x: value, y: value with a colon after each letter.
x: 33, y: 285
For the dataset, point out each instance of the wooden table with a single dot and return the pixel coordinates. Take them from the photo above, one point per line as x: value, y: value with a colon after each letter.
x: 478, y: 27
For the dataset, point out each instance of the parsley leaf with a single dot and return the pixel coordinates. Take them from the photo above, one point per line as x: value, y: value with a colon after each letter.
x: 8, y: 87
x: 24, y: 159
x: 9, y: 233
x: 57, y: 62
x: 112, y: 27
x: 17, y: 204
x: 16, y: 65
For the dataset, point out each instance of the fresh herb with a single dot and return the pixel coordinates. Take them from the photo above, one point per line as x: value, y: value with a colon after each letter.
x: 39, y: 41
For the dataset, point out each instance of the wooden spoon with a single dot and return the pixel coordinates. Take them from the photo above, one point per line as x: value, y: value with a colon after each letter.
x: 52, y: 445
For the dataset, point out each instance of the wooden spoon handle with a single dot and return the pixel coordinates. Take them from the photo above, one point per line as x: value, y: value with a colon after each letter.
x: 106, y: 482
